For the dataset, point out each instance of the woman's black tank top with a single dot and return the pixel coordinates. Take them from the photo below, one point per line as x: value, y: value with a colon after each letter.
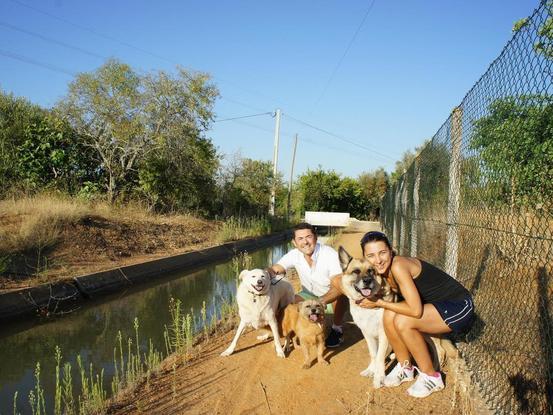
x: 435, y: 285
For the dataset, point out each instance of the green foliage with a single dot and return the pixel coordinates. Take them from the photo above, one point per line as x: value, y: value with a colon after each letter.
x: 515, y: 142
x: 180, y: 173
x: 180, y: 176
x: 235, y: 228
x: 544, y: 44
x: 327, y: 191
x: 245, y: 188
x: 15, y: 115
x: 147, y: 130
x: 51, y: 155
x: 374, y: 186
x: 520, y: 24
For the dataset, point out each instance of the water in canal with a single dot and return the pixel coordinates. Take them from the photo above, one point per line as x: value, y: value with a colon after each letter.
x: 91, y: 331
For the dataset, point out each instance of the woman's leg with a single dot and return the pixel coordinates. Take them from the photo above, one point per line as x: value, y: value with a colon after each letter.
x: 398, y: 346
x: 410, y: 331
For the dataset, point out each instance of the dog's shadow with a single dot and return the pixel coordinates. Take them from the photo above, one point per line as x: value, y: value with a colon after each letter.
x: 256, y: 343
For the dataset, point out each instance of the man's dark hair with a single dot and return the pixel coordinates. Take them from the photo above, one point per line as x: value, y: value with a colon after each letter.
x: 304, y: 225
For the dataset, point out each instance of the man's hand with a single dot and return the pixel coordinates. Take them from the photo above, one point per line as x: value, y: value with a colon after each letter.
x: 271, y: 272
x: 366, y: 303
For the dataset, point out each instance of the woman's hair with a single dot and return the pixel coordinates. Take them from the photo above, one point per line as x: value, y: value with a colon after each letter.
x: 375, y: 236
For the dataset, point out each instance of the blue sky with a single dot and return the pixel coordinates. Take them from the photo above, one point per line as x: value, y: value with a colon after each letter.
x: 379, y: 88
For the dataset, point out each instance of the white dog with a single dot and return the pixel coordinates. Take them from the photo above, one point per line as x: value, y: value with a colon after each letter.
x: 360, y: 281
x: 258, y: 301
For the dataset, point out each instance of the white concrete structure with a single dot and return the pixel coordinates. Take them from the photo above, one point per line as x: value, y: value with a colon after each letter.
x: 327, y: 218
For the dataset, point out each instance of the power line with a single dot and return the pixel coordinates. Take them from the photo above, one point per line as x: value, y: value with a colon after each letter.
x: 344, y: 55
x: 51, y: 40
x: 301, y: 138
x: 129, y: 45
x: 340, y: 138
x: 319, y: 144
x: 223, y: 97
x: 88, y: 29
x: 244, y: 116
x: 26, y: 59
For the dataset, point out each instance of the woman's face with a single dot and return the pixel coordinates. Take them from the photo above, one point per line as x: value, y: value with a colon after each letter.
x: 379, y: 256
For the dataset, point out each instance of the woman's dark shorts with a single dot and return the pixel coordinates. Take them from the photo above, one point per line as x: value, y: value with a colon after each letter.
x: 457, y: 314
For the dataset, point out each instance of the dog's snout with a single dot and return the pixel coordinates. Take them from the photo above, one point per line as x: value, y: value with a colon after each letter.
x: 314, y: 310
x: 367, y: 280
x: 259, y: 282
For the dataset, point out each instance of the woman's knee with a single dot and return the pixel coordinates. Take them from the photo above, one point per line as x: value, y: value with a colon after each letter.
x: 388, y: 318
x: 402, y: 323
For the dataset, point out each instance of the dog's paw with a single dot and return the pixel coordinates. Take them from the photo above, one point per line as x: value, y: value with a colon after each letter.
x: 280, y: 353
x: 305, y: 366
x: 263, y: 337
x: 323, y: 362
x: 378, y: 381
x: 227, y: 352
x: 367, y: 372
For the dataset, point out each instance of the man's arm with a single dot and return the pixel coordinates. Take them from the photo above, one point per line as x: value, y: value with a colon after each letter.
x: 335, y: 290
x: 275, y: 269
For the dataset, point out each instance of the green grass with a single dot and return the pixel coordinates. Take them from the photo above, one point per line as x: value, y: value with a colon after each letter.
x: 235, y: 228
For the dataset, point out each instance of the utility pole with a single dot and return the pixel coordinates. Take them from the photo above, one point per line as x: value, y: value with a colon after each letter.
x: 275, y: 161
x: 291, y: 177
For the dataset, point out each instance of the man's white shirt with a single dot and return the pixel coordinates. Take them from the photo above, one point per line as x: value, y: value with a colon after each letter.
x: 316, y: 278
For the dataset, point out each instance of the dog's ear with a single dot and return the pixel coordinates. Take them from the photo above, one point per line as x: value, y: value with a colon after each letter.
x: 344, y: 257
x: 243, y: 274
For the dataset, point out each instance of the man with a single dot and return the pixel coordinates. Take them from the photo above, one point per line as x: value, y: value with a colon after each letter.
x: 316, y: 265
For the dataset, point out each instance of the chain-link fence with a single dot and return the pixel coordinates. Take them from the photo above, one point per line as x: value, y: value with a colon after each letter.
x: 478, y: 202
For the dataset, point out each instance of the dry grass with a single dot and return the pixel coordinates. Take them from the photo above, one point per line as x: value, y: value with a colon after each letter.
x: 35, y: 223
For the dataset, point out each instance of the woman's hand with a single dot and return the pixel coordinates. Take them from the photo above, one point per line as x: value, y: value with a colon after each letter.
x: 366, y: 303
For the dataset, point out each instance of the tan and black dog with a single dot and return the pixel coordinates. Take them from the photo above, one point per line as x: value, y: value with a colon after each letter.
x: 360, y: 281
x: 305, y: 320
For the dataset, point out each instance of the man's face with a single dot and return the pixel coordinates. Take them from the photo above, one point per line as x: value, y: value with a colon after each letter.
x: 305, y: 240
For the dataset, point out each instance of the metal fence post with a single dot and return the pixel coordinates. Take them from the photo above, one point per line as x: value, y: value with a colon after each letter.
x: 452, y: 242
x: 403, y: 237
x: 414, y: 221
x: 397, y: 214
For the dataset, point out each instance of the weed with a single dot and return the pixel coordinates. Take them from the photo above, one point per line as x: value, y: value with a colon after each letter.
x: 15, y: 404
x: 235, y: 228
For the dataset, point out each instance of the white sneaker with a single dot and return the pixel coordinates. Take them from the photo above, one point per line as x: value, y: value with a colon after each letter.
x: 425, y: 385
x: 399, y: 374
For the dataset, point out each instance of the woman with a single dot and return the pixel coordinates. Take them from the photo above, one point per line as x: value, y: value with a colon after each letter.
x: 433, y: 303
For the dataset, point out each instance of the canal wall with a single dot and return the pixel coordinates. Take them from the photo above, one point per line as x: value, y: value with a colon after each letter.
x: 59, y: 297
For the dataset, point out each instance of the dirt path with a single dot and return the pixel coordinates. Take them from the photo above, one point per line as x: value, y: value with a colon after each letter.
x: 255, y: 381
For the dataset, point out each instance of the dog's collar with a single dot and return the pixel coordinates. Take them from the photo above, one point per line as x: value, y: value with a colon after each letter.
x: 256, y: 294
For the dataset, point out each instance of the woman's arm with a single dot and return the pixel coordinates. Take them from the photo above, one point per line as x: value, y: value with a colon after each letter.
x: 412, y: 306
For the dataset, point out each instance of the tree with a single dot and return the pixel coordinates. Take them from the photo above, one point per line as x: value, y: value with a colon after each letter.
x: 105, y: 108
x: 374, y: 186
x: 245, y: 187
x: 147, y: 131
x: 51, y: 155
x: 38, y: 150
x: 180, y: 174
x: 15, y: 115
x: 515, y: 143
x: 326, y: 191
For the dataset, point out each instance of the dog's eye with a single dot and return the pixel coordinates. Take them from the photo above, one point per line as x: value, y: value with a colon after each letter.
x: 356, y: 271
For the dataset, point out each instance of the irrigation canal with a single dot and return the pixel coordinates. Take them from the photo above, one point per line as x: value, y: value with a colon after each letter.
x: 91, y: 331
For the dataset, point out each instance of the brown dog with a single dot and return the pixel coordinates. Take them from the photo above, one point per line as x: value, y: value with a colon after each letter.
x: 305, y: 320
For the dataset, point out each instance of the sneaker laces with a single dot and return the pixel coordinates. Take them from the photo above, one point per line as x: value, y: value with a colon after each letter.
x: 425, y: 380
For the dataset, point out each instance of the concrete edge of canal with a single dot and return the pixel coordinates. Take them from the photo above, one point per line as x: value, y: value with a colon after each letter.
x: 50, y: 298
